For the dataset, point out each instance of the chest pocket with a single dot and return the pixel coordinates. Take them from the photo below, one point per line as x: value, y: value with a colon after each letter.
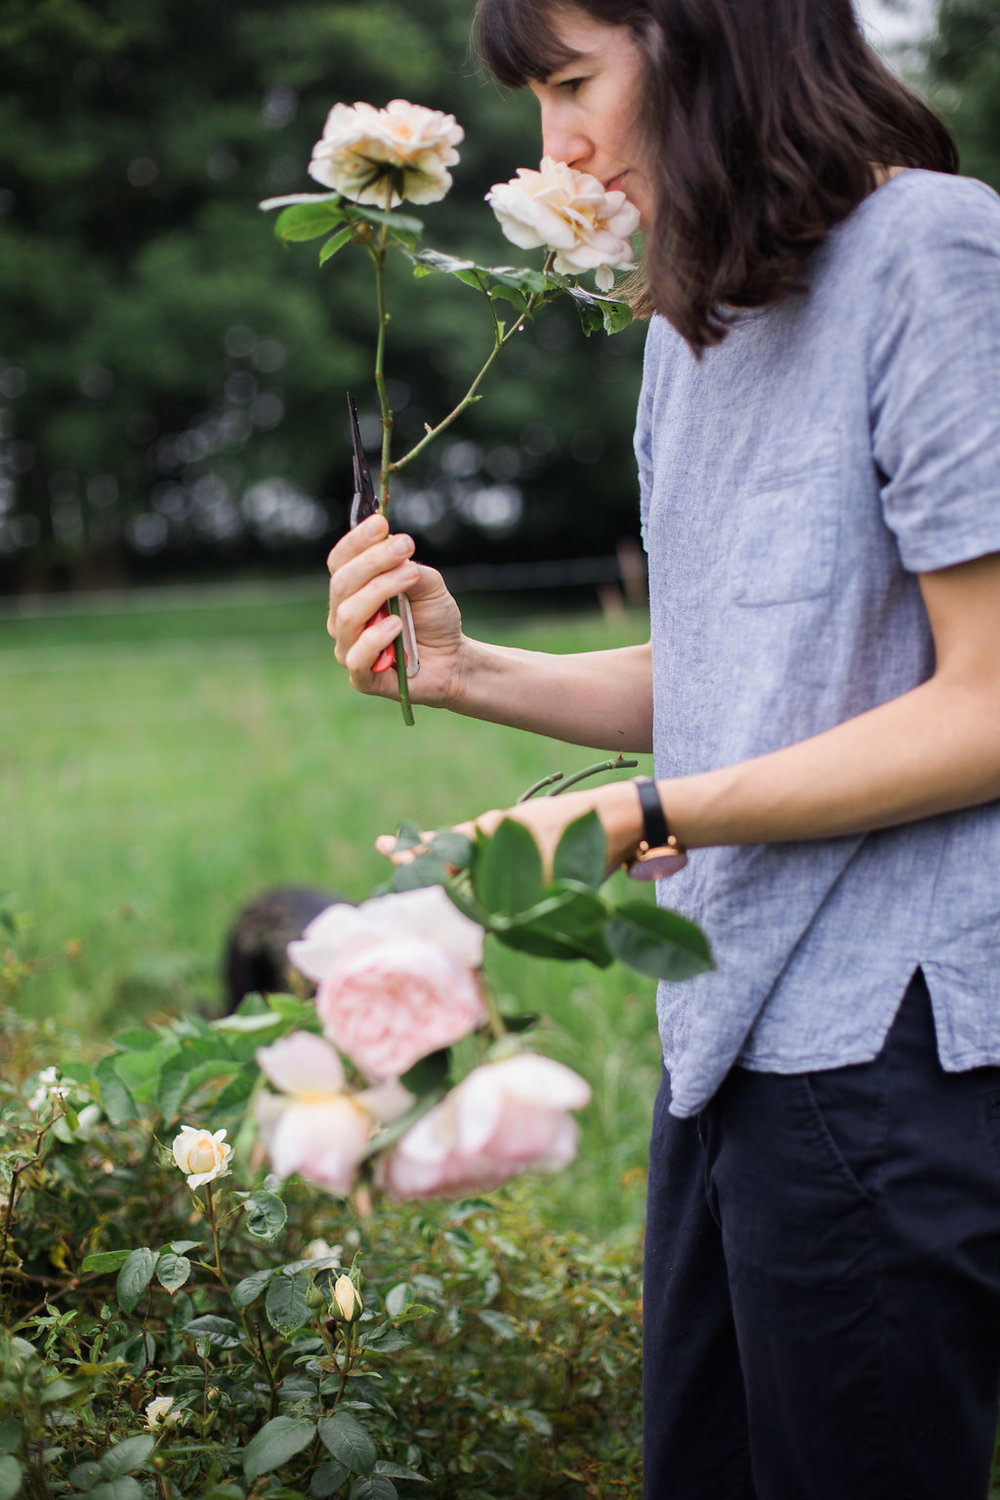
x: 785, y: 543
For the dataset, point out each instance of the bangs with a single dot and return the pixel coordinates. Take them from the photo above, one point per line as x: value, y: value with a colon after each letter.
x: 516, y: 42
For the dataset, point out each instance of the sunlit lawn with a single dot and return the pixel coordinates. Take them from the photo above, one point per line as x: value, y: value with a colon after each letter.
x: 161, y: 764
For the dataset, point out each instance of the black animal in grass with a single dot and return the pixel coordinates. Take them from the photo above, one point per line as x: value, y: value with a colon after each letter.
x: 255, y: 961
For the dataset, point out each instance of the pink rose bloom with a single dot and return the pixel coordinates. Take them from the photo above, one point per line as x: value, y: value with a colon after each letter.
x: 388, y: 1006
x: 341, y: 930
x: 395, y: 978
x: 314, y: 1127
x: 503, y: 1118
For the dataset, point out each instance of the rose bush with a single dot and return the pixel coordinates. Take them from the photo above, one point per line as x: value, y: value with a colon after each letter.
x: 571, y: 213
x: 315, y: 1127
x: 505, y: 1117
x: 381, y: 156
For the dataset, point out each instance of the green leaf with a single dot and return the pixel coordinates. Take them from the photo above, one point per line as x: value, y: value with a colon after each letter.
x: 378, y: 1487
x: 222, y: 1333
x: 172, y: 1271
x: 275, y: 1443
x: 106, y: 1260
x: 386, y: 1342
x: 128, y: 1456
x: 11, y: 1476
x: 11, y: 1434
x: 183, y: 1074
x: 582, y: 852
x: 137, y: 1039
x: 398, y: 1298
x: 117, y: 1101
x: 334, y: 243
x: 308, y: 221
x: 498, y: 1324
x: 85, y: 1475
x: 408, y: 836
x: 427, y: 261
x: 286, y: 1305
x: 398, y: 1471
x: 248, y: 1025
x: 425, y: 870
x: 61, y: 1390
x: 617, y: 315
x: 345, y: 1439
x: 507, y: 873
x: 430, y: 1074
x: 266, y: 1215
x: 249, y: 1289
x: 657, y: 942
x: 454, y: 848
x: 328, y: 1479
x: 117, y: 1489
x: 134, y: 1277
x: 402, y: 224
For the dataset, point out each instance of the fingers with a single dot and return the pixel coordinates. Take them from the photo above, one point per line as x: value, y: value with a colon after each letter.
x: 367, y: 569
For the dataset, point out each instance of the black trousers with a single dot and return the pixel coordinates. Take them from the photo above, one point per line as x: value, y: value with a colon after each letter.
x: 821, y: 1313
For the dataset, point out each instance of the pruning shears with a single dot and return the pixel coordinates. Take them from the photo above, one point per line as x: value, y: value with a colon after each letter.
x: 363, y: 505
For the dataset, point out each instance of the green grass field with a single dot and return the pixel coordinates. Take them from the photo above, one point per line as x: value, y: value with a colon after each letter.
x: 162, y: 763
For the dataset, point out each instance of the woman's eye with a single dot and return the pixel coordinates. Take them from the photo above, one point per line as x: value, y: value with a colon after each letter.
x: 571, y: 85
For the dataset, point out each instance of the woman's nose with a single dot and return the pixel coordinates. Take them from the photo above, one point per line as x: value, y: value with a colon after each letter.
x: 562, y: 140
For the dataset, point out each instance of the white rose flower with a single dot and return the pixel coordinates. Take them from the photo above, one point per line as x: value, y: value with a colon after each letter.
x: 48, y: 1091
x: 382, y: 156
x: 571, y: 213
x: 201, y: 1155
x: 157, y: 1412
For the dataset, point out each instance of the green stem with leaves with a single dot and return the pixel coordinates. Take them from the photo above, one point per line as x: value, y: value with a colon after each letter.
x: 502, y: 337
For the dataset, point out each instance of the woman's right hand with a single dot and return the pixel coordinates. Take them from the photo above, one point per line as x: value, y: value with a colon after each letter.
x: 368, y: 567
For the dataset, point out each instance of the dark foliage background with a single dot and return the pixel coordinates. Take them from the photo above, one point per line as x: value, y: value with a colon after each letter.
x: 171, y: 379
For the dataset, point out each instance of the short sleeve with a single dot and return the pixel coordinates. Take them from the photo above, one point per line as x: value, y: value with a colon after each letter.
x: 644, y: 429
x: 935, y: 376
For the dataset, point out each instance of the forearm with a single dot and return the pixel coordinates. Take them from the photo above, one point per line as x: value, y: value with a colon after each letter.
x: 933, y: 750
x: 601, y: 699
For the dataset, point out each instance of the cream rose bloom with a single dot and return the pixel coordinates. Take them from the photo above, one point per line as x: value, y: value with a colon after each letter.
x: 571, y: 213
x: 201, y: 1156
x: 314, y: 1127
x: 158, y: 1412
x: 503, y: 1118
x: 382, y: 156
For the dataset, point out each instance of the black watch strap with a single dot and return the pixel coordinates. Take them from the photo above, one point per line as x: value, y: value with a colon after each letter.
x: 659, y: 853
x: 655, y: 832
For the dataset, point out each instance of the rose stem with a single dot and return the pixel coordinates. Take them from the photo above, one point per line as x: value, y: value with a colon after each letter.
x: 378, y: 253
x: 501, y: 340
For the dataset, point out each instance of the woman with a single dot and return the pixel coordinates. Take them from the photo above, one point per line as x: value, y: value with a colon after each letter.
x: 819, y: 451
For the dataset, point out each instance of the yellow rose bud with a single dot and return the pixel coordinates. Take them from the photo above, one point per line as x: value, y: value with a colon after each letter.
x: 347, y: 1299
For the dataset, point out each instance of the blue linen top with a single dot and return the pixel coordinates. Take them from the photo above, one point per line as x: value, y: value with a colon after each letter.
x: 794, y: 482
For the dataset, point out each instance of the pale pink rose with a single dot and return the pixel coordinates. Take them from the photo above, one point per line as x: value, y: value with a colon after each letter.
x: 382, y: 156
x: 503, y: 1118
x: 570, y: 212
x: 388, y: 1005
x: 342, y: 930
x: 314, y: 1127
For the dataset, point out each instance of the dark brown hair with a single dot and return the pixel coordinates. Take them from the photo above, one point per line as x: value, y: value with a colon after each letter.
x: 763, y: 121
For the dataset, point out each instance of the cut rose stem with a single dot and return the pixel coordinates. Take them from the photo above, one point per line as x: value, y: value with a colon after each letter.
x: 501, y: 338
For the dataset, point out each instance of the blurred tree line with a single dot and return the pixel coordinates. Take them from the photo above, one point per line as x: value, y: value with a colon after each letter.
x: 171, y: 379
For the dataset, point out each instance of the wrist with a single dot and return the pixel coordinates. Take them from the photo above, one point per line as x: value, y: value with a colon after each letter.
x: 659, y: 852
